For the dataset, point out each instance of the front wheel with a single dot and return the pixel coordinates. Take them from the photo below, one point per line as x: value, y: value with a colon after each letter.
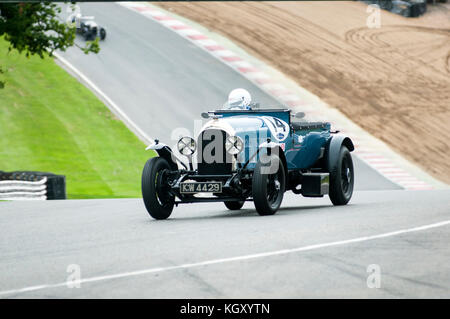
x: 157, y: 200
x: 342, y: 178
x: 268, y: 184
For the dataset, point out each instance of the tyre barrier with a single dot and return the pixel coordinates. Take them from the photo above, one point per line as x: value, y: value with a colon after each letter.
x: 406, y: 8
x: 27, y: 185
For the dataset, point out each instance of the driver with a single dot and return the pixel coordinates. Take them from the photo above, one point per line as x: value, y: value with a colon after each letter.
x: 239, y: 99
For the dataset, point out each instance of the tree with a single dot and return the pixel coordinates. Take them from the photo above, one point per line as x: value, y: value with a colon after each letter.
x: 36, y: 28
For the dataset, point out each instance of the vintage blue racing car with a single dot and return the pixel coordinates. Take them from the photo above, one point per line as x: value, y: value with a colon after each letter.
x: 249, y: 154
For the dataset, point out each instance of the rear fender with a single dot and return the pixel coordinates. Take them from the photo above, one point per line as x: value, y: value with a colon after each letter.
x: 333, y: 149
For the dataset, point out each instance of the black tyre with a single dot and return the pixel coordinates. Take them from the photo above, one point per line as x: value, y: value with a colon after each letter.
x: 102, y: 34
x: 268, y: 187
x: 87, y: 36
x: 236, y: 205
x: 407, y: 12
x: 157, y: 200
x: 386, y: 4
x: 342, y: 178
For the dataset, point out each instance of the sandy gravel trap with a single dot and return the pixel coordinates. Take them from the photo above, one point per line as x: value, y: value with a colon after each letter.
x: 393, y: 81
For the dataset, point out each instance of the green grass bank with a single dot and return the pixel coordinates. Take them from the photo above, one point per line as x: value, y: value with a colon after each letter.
x: 51, y: 122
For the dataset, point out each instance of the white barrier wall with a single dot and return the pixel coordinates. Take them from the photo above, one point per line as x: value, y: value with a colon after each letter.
x: 23, y: 190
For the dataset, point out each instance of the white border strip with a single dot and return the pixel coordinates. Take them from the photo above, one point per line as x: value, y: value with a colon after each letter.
x: 14, y: 182
x: 230, y: 259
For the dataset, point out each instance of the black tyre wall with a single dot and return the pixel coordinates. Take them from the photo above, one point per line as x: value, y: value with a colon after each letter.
x: 336, y: 193
x: 151, y: 183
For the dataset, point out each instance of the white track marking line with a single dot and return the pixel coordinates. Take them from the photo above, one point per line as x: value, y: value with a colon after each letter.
x: 152, y: 13
x: 229, y: 259
x: 401, y: 174
x: 241, y: 64
x: 274, y: 86
x: 257, y: 76
x: 171, y: 23
x: 289, y: 97
x: 116, y: 109
x: 208, y: 42
x: 224, y: 53
x: 187, y: 32
x: 127, y: 4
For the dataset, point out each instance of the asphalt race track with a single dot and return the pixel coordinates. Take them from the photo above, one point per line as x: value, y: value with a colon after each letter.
x: 308, y: 249
x: 115, y: 237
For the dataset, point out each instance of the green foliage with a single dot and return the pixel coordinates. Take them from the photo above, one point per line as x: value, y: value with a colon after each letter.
x: 91, y: 46
x: 36, y: 28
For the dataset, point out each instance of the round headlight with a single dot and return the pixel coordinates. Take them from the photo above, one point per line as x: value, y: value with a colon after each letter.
x: 234, y: 145
x: 186, y: 145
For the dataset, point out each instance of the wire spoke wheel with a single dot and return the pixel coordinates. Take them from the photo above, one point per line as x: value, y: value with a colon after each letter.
x: 162, y: 188
x: 273, y: 188
x: 268, y: 185
x: 346, y: 176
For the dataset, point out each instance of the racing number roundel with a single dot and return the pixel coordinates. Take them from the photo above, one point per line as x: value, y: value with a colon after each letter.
x: 278, y: 128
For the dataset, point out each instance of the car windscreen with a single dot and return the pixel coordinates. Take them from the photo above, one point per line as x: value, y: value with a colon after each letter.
x: 230, y: 106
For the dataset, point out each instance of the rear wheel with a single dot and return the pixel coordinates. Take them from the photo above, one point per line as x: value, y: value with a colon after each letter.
x: 342, y: 178
x: 155, y: 190
x: 268, y: 184
x: 102, y: 34
x: 235, y: 205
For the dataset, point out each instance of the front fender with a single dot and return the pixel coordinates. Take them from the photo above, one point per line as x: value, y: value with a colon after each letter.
x: 165, y: 152
x: 334, y: 147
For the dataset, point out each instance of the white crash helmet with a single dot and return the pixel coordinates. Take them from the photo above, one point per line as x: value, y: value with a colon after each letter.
x: 239, y: 98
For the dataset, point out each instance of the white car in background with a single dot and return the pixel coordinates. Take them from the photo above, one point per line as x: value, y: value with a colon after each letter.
x: 88, y: 28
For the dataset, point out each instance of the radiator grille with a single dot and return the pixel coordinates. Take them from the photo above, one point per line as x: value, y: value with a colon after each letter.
x: 212, y: 157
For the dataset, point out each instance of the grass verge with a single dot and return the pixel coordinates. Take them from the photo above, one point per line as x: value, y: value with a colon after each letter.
x: 51, y: 122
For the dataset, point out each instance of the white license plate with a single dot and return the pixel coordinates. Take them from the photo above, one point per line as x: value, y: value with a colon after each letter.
x: 201, y: 187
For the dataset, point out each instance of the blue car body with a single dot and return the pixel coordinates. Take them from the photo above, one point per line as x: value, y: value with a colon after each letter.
x: 301, y: 146
x: 310, y: 160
